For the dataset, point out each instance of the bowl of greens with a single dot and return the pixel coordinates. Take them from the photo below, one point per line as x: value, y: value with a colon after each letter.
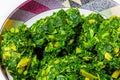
x: 61, y: 44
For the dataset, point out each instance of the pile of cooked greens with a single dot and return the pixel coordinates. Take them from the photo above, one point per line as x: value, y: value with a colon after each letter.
x: 64, y: 46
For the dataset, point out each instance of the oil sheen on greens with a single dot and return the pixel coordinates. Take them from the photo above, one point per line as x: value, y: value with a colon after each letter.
x: 64, y: 46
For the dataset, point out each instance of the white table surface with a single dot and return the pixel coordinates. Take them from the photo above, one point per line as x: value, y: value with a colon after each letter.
x: 6, y: 7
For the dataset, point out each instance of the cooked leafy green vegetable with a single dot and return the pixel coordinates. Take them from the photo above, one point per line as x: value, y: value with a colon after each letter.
x: 17, y: 49
x: 64, y: 68
x: 56, y: 30
x: 89, y: 29
x: 64, y: 46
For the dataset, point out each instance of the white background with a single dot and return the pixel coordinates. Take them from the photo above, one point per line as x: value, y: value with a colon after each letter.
x: 6, y: 7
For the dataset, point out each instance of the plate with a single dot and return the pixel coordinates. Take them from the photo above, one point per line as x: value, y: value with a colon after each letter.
x: 30, y: 11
